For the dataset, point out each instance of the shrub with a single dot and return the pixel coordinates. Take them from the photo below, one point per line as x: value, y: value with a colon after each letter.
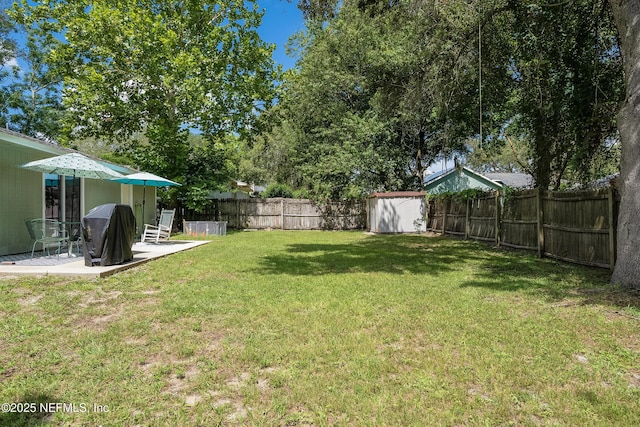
x: 278, y: 190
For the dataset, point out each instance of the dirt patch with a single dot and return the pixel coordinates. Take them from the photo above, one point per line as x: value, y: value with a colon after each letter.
x: 215, y: 344
x: 175, y: 385
x: 32, y: 300
x: 139, y: 342
x: 100, y: 318
x: 237, y: 382
x: 262, y: 384
x: 146, y: 366
x: 192, y: 400
x: 477, y: 391
x: 7, y: 373
x: 238, y: 413
x: 100, y: 297
x: 104, y: 320
x: 147, y: 302
x: 237, y: 410
x: 580, y: 358
x: 634, y: 379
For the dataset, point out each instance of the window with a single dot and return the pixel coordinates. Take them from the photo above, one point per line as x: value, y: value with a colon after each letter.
x: 55, y: 189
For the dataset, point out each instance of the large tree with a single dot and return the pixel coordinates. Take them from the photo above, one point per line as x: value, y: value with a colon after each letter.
x: 8, y: 66
x: 35, y: 94
x: 627, y: 269
x: 567, y: 83
x: 157, y: 67
x: 381, y: 90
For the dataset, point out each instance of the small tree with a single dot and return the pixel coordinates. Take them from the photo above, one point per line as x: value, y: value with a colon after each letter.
x: 278, y: 190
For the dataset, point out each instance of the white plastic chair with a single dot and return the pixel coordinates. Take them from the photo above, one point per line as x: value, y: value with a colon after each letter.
x: 162, y: 231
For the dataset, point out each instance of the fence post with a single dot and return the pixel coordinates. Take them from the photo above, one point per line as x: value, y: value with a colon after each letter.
x: 444, y: 215
x: 540, y: 219
x: 498, y: 218
x: 238, y: 214
x: 466, y: 221
x: 282, y: 214
x: 612, y: 230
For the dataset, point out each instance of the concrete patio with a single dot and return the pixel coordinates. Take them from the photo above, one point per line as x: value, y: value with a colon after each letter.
x: 73, y: 266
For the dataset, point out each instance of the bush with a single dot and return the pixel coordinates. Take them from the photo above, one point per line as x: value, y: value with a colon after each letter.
x: 278, y: 190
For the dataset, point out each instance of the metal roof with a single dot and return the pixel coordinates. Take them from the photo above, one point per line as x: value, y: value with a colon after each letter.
x: 512, y: 179
x: 392, y: 194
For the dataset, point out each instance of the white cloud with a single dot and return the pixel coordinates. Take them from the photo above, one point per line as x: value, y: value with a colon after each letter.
x: 11, y: 62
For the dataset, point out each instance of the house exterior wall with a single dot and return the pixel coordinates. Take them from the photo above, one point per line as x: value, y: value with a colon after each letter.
x: 22, y: 190
x: 149, y: 195
x: 397, y: 214
x: 456, y: 182
x: 98, y: 192
x: 21, y: 196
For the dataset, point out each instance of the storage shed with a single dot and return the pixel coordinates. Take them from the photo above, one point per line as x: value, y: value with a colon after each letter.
x: 397, y: 212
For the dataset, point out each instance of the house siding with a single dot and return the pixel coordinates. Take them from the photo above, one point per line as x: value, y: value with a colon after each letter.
x: 21, y: 196
x: 459, y: 180
x: 98, y: 192
x: 22, y: 190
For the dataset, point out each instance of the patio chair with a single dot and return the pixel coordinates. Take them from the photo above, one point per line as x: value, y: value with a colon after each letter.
x: 47, y: 232
x: 162, y: 231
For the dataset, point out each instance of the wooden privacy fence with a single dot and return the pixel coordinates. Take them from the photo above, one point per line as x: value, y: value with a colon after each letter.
x: 284, y: 214
x: 578, y: 227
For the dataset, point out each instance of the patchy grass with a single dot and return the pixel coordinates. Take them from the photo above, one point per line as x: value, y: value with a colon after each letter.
x: 325, y: 328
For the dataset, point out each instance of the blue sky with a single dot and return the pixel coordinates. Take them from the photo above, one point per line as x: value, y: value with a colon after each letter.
x: 281, y: 20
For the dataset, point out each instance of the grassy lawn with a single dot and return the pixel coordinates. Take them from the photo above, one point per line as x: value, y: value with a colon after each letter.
x: 325, y: 328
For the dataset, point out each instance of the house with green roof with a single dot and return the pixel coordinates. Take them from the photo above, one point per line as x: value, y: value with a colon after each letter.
x: 26, y: 194
x: 461, y: 178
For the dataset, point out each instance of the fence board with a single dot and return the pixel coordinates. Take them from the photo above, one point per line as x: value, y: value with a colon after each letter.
x: 578, y: 227
x: 482, y: 215
x: 520, y: 221
x: 286, y: 214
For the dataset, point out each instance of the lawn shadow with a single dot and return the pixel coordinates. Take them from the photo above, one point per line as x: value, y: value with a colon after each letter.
x: 555, y: 281
x: 30, y: 411
x: 395, y: 254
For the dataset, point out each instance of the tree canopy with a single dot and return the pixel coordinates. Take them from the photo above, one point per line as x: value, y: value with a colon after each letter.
x: 156, y: 68
x: 383, y: 89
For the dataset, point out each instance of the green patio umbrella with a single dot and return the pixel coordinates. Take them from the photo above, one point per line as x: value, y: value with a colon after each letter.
x: 144, y: 179
x: 75, y: 165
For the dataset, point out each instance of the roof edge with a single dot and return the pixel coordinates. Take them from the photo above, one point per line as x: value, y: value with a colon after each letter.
x: 47, y: 147
x: 463, y: 168
x: 393, y: 194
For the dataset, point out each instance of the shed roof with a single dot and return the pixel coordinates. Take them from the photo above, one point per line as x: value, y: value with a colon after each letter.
x: 393, y: 194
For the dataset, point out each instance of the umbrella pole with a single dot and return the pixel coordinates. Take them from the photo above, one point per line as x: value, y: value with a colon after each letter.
x: 144, y: 196
x: 73, y: 195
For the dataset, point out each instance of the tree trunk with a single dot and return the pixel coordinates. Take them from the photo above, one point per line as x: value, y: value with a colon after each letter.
x: 626, y: 14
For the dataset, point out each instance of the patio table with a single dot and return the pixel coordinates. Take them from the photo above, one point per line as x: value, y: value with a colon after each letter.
x: 74, y: 231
